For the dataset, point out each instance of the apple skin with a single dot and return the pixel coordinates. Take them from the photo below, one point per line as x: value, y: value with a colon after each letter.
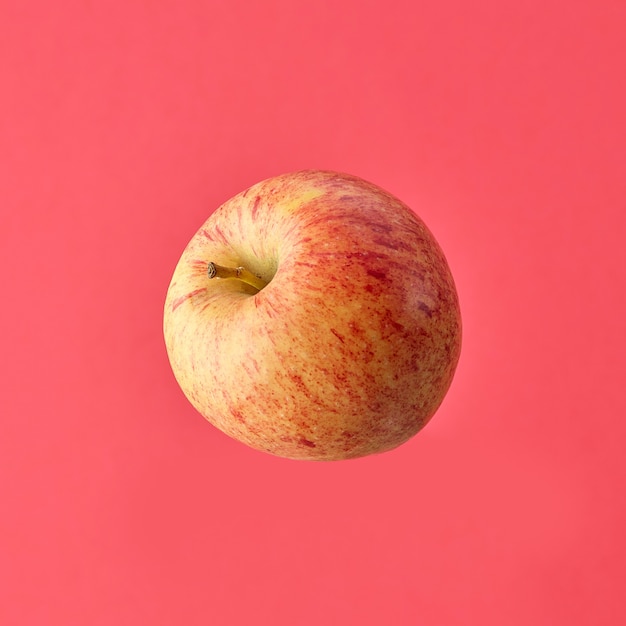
x: 352, y: 345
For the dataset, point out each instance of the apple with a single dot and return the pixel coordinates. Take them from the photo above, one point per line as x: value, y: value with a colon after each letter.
x: 314, y: 316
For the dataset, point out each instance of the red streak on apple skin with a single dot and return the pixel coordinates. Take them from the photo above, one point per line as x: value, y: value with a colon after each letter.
x: 186, y: 297
x: 297, y: 379
x: 269, y: 308
x: 305, y: 442
x: 255, y: 206
x: 334, y: 332
x: 251, y: 366
x: 239, y: 217
x: 422, y: 306
x: 238, y: 415
x: 388, y: 319
x: 199, y: 267
x: 219, y: 235
x: 393, y: 245
x: 376, y: 274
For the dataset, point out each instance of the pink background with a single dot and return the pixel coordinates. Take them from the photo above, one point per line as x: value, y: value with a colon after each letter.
x: 124, y: 124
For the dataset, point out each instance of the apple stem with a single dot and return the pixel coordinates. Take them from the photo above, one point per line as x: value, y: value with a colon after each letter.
x: 219, y: 271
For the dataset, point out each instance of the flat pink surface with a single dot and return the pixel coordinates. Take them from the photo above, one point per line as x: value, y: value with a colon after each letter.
x: 124, y: 124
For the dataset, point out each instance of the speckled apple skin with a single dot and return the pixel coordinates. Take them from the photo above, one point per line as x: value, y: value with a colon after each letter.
x: 350, y: 348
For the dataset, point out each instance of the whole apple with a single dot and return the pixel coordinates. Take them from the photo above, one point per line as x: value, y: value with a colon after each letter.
x: 314, y: 316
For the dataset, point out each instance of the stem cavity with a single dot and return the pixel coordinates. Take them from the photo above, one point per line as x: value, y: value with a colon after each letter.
x: 241, y: 273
